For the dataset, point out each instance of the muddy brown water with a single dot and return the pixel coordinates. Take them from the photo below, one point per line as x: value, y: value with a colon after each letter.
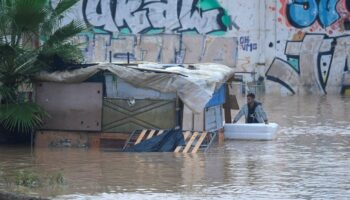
x: 310, y: 159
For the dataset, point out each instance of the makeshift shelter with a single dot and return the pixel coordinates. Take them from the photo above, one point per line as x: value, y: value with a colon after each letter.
x: 128, y: 97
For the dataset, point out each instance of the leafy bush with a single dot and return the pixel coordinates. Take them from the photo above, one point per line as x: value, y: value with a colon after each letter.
x: 32, y: 39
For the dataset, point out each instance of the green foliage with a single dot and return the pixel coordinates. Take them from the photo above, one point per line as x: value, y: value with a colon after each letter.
x: 63, y: 6
x: 56, y: 179
x: 26, y: 21
x: 32, y: 39
x: 22, y: 116
x: 58, y: 52
x: 27, y: 179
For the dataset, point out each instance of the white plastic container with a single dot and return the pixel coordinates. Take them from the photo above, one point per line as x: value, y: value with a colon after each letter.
x: 251, y: 131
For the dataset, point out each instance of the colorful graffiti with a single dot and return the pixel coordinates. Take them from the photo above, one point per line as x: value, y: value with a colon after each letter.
x: 317, y: 63
x: 151, y: 30
x: 303, y: 13
x: 314, y: 13
x: 156, y: 16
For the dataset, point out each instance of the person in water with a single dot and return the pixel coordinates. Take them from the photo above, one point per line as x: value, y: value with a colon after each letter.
x: 253, y: 111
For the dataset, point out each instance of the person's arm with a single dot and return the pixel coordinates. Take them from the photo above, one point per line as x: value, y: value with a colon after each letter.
x: 239, y: 115
x: 262, y: 114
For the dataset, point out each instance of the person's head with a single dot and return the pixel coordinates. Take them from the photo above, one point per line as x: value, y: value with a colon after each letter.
x: 250, y: 98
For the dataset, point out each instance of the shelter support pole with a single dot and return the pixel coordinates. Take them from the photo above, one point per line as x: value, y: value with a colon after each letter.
x: 228, y: 103
x: 227, y: 108
x: 221, y: 136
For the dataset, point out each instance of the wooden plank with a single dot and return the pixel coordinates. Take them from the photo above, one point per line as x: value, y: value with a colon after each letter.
x: 160, y: 132
x: 233, y: 103
x: 72, y: 111
x: 187, y: 118
x: 199, y: 142
x: 198, y: 120
x: 186, y: 135
x: 188, y: 146
x: 141, y: 136
x: 151, y: 134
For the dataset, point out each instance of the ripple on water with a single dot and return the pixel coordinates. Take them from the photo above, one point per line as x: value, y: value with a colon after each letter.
x: 309, y: 159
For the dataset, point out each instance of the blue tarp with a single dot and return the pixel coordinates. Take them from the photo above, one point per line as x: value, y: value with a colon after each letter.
x: 218, y: 97
x: 165, y: 142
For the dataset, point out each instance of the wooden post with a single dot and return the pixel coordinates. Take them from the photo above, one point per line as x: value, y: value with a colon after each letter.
x: 221, y: 136
x: 227, y: 107
x: 228, y: 101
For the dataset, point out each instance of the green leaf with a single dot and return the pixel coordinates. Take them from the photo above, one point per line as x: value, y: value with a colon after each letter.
x: 64, y: 5
x: 28, y: 14
x: 22, y: 54
x: 22, y: 117
x: 65, y: 33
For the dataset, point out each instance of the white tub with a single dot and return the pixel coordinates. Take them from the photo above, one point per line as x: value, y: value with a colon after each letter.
x: 251, y: 131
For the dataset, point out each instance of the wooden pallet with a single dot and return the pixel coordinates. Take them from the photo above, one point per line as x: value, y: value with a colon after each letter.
x: 194, y: 140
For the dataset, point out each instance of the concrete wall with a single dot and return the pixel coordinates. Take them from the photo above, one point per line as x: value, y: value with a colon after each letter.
x: 298, y: 46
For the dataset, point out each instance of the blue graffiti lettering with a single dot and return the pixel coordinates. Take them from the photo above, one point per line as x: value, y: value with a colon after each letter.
x: 303, y: 13
x: 246, y: 45
x: 327, y: 12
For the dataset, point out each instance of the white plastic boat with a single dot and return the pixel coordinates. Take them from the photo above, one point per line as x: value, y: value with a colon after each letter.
x: 251, y: 131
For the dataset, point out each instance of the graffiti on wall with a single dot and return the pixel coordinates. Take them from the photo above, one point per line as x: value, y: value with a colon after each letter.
x: 303, y: 13
x: 316, y: 14
x: 246, y: 44
x: 162, y: 48
x: 164, y: 31
x: 316, y: 63
x: 153, y: 16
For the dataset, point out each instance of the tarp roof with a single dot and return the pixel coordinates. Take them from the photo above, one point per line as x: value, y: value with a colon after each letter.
x: 194, y: 84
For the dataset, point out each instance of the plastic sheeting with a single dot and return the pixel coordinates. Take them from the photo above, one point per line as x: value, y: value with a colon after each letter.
x: 194, y: 84
x: 165, y: 142
x: 258, y: 131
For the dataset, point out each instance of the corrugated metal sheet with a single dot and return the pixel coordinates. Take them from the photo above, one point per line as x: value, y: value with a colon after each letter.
x: 127, y: 115
x: 75, y: 107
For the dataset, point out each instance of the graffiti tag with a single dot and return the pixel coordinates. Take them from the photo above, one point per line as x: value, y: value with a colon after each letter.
x: 142, y: 16
x: 246, y: 45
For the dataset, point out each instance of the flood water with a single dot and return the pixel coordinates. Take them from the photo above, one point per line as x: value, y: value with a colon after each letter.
x: 310, y: 159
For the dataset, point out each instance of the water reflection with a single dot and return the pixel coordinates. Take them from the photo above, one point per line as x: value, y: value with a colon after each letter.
x: 309, y: 159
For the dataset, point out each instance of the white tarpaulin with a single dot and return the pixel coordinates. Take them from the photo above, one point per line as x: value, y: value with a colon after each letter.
x: 194, y: 84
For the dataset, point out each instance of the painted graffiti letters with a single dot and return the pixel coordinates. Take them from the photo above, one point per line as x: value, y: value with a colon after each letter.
x: 246, y: 45
x: 318, y: 64
x: 303, y: 13
x: 328, y: 13
x: 140, y: 16
x: 191, y: 18
x: 162, y: 14
x: 98, y: 13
